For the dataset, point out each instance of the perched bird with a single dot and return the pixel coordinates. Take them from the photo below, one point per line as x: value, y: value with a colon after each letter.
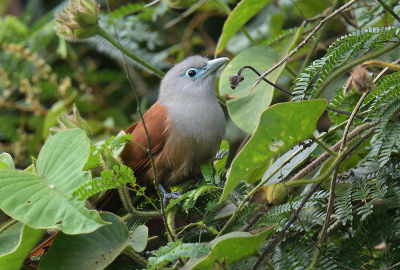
x: 185, y: 126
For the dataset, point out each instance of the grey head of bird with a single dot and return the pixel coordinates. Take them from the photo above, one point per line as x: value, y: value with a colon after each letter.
x: 194, y: 76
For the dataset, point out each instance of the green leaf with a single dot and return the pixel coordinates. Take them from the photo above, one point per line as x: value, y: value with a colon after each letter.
x: 207, y: 172
x: 242, y: 13
x: 7, y: 160
x: 175, y: 250
x: 281, y: 127
x: 16, y: 243
x: 3, y: 166
x: 93, y: 160
x: 245, y: 109
x: 289, y: 167
x: 95, y: 250
x: 44, y: 200
x: 231, y: 247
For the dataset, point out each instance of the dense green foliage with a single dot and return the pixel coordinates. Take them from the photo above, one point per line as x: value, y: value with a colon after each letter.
x: 64, y: 106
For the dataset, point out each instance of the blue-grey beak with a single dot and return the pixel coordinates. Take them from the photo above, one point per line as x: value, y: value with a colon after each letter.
x: 212, y: 66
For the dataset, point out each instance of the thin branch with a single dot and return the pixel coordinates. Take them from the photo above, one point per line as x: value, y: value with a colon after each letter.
x: 388, y: 9
x: 334, y: 75
x: 144, y: 124
x: 310, y: 239
x: 321, y: 23
x: 287, y: 92
x: 318, y: 37
x: 312, y: 166
x: 267, y: 251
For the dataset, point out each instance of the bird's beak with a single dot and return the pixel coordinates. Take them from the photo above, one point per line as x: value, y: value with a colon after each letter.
x: 213, y: 65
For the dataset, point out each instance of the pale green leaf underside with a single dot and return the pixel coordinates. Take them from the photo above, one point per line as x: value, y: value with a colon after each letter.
x: 95, y: 250
x: 44, y: 200
x: 281, y: 127
x: 245, y: 109
x: 16, y: 243
x: 230, y: 248
x: 242, y: 13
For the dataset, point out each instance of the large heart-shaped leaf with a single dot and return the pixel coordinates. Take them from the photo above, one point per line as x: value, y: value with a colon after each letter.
x: 281, y: 127
x: 245, y: 109
x: 230, y: 248
x: 16, y: 243
x: 44, y: 200
x: 95, y: 250
x: 242, y: 13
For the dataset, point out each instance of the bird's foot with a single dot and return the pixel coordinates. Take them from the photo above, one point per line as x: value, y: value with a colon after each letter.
x: 198, y: 177
x: 168, y: 195
x: 221, y: 154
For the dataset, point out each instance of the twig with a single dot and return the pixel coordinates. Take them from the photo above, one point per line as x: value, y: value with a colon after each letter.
x: 388, y: 9
x: 185, y: 14
x: 266, y: 252
x: 255, y: 189
x: 310, y: 239
x: 117, y: 44
x: 347, y: 128
x: 325, y: 156
x: 325, y: 147
x: 321, y: 23
x: 148, y: 150
x: 349, y: 65
x: 291, y: 94
x: 334, y: 177
x: 39, y: 109
x: 318, y: 37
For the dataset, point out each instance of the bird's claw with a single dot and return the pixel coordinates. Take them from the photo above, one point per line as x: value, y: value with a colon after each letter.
x: 169, y: 195
x: 221, y: 154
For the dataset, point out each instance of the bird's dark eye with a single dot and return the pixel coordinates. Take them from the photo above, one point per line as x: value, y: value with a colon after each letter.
x: 191, y: 73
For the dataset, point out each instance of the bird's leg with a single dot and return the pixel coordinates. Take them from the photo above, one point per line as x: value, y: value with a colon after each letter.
x: 221, y: 154
x: 198, y: 177
x: 168, y: 195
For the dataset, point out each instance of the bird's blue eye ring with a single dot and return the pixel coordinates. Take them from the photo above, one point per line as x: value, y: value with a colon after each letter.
x: 191, y: 73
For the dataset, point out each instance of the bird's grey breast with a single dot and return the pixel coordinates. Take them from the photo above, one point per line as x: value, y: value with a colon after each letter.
x: 200, y: 119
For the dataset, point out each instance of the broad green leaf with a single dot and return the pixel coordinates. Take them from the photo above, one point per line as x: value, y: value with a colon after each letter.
x: 242, y: 13
x: 95, y: 250
x: 281, y: 127
x: 289, y: 167
x: 16, y: 243
x: 3, y: 166
x: 93, y: 160
x: 7, y: 159
x: 245, y: 109
x: 220, y: 164
x: 230, y: 247
x: 44, y: 200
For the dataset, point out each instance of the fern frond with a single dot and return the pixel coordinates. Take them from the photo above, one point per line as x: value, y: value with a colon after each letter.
x: 175, y: 250
x: 340, y: 52
x: 284, y: 33
x: 343, y: 206
x: 112, y: 143
x: 376, y: 11
x: 117, y: 178
x: 127, y: 9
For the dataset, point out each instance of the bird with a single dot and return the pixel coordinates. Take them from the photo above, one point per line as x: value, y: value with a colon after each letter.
x: 185, y: 126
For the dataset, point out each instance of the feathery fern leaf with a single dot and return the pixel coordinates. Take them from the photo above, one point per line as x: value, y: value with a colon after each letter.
x: 341, y: 51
